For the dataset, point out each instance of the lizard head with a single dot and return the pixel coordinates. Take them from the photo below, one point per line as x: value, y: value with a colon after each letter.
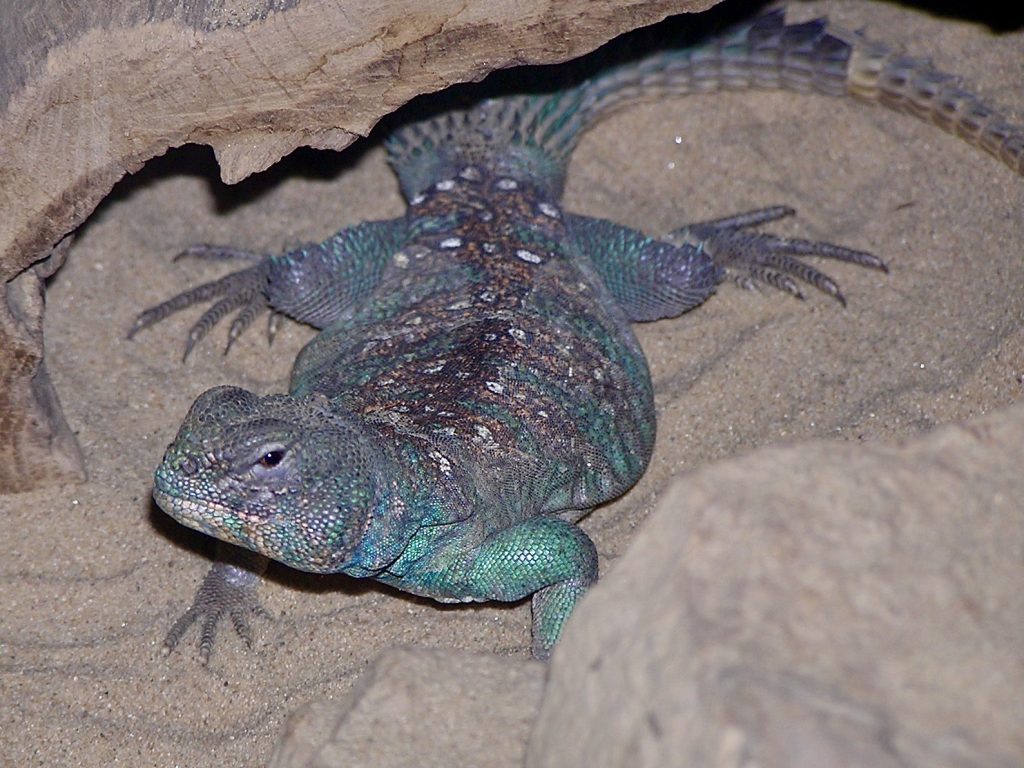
x: 283, y: 476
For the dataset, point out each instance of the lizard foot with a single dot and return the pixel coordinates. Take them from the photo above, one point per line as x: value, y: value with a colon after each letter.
x: 758, y: 257
x: 243, y: 290
x: 228, y: 589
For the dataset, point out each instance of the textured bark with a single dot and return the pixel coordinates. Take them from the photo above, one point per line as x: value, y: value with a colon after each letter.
x: 91, y: 90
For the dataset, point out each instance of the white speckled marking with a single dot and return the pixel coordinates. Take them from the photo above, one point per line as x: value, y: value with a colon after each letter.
x: 484, y: 437
x: 442, y: 461
x: 528, y: 256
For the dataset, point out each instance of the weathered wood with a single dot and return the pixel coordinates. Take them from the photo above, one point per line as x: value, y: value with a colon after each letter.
x: 91, y: 90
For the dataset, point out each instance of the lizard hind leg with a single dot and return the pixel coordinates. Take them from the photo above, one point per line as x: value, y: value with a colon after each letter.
x: 751, y: 257
x: 544, y: 556
x: 243, y: 290
x: 551, y: 607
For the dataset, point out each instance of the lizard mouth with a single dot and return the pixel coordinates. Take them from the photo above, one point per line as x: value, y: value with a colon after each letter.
x: 198, y: 516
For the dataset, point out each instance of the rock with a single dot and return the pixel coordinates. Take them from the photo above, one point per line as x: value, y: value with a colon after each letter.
x: 825, y: 604
x: 424, y: 708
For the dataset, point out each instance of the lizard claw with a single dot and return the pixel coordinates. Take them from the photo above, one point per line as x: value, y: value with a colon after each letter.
x: 758, y: 257
x: 243, y: 290
x: 227, y: 590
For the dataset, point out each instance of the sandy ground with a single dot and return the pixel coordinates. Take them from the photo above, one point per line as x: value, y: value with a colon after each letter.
x: 94, y: 574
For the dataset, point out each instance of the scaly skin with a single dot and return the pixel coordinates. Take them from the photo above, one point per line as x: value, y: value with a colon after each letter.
x: 476, y: 387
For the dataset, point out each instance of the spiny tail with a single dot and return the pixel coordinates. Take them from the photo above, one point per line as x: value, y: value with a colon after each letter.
x: 532, y: 136
x: 812, y: 56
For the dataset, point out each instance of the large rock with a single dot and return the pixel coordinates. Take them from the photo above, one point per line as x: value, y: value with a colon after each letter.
x: 824, y: 604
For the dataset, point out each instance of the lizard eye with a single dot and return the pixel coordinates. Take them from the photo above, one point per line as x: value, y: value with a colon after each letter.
x: 271, y: 458
x: 271, y: 462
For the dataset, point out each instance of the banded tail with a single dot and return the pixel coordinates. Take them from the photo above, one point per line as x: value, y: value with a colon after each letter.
x: 532, y: 136
x: 812, y: 56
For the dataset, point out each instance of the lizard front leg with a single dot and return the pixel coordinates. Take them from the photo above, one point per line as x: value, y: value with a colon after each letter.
x: 228, y: 589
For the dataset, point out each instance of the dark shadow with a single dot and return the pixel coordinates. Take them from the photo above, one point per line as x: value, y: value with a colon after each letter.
x: 199, y: 161
x: 998, y: 17
x: 675, y: 32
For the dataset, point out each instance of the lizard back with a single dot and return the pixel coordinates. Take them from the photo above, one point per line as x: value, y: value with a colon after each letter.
x: 491, y: 342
